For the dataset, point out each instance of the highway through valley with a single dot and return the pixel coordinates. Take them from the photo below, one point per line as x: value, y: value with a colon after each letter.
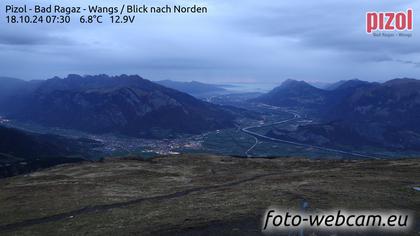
x: 257, y: 136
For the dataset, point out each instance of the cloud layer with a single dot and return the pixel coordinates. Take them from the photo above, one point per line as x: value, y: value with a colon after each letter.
x: 248, y: 41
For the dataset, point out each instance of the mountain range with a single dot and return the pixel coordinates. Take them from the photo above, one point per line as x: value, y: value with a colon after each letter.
x: 293, y: 93
x: 355, y: 113
x: 128, y: 105
x: 350, y: 113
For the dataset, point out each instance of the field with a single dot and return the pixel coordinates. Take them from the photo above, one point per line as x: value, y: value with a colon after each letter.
x: 191, y: 194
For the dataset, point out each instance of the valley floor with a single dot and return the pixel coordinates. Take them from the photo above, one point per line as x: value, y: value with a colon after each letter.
x: 196, y: 194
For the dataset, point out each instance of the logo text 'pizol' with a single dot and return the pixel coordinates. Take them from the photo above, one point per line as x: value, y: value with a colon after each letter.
x: 389, y: 21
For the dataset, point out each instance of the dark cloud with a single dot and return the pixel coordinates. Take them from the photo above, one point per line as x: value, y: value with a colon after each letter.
x: 414, y: 63
x: 12, y: 39
x: 30, y: 38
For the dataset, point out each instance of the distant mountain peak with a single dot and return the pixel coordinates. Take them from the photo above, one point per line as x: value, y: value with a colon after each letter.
x: 292, y: 93
x: 73, y: 76
x: 297, y: 85
x: 292, y: 82
x: 351, y: 84
x: 402, y: 81
x: 344, y: 84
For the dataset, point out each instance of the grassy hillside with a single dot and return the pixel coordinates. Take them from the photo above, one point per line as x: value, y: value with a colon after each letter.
x: 188, y: 195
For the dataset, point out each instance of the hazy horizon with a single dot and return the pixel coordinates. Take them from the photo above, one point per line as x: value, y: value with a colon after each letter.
x: 230, y: 86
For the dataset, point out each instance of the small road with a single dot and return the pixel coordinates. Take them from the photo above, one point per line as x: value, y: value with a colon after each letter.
x: 252, y: 147
x: 296, y: 116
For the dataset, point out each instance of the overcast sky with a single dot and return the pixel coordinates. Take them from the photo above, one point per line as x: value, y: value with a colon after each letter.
x: 250, y: 41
